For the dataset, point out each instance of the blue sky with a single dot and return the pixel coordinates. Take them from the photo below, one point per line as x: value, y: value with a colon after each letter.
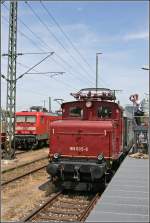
x: 118, y: 29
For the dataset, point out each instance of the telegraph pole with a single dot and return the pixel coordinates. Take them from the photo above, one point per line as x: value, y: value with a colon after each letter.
x: 44, y: 103
x: 50, y: 108
x: 9, y: 152
x: 97, y: 69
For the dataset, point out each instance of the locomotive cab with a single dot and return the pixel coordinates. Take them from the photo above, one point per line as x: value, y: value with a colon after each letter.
x: 87, y: 142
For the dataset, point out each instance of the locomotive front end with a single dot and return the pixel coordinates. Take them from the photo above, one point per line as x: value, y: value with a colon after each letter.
x: 25, y: 130
x: 78, y: 151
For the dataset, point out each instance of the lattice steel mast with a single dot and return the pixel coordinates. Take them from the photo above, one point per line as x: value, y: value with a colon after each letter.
x: 11, y: 81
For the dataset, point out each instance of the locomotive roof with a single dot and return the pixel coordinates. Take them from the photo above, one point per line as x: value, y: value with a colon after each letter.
x: 76, y: 123
x: 35, y: 113
x: 95, y: 101
x: 95, y: 94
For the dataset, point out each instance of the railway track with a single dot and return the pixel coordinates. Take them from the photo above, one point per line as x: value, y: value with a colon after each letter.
x: 23, y: 171
x: 73, y: 207
x: 19, y: 152
x: 23, y: 165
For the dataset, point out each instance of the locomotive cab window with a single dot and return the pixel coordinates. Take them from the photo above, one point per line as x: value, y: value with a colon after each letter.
x: 22, y: 118
x: 31, y: 119
x: 76, y: 112
x: 104, y: 112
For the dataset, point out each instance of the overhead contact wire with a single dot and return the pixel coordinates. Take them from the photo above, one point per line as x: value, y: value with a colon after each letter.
x: 49, y: 30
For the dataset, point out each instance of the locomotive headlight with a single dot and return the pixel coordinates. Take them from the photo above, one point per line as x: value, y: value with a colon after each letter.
x: 100, y: 157
x: 56, y: 155
x: 88, y: 104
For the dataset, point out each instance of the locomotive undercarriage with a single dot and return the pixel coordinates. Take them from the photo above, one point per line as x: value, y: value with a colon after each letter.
x: 78, y: 175
x: 82, y: 186
x: 26, y: 142
x: 83, y: 175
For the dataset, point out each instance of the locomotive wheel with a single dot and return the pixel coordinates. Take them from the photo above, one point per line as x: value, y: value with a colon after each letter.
x: 109, y: 175
x: 40, y: 144
x: 50, y: 188
x: 45, y: 143
x: 29, y: 147
x: 35, y: 146
x: 57, y: 186
x: 99, y: 187
x: 115, y: 165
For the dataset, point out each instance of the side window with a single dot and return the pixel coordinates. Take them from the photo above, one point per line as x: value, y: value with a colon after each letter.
x: 76, y: 112
x: 104, y: 112
x: 42, y: 120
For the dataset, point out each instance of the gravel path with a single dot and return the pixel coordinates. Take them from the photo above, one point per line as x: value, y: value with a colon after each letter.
x: 23, y: 196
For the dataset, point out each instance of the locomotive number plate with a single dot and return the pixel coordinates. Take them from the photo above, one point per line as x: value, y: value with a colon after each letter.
x: 78, y: 148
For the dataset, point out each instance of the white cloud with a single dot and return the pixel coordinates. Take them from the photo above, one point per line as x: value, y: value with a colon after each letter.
x: 136, y: 36
x: 79, y: 9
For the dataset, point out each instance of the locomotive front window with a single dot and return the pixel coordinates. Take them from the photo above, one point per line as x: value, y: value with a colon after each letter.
x: 20, y: 118
x: 104, y: 112
x: 76, y: 112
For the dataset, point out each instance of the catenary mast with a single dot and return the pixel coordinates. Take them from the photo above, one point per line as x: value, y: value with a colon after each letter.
x: 9, y: 151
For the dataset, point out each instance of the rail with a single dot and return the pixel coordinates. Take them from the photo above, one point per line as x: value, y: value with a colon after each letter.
x: 23, y: 175
x: 23, y: 165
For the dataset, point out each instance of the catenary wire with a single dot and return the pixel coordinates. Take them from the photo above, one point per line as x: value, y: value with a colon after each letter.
x: 33, y: 42
x: 54, y: 36
x: 103, y: 82
x: 65, y: 62
x: 60, y: 58
x: 67, y: 37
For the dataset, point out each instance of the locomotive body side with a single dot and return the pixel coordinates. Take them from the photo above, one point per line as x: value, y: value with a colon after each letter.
x: 86, y: 144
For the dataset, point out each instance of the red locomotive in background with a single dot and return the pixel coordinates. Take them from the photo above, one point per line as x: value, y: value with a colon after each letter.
x: 32, y: 127
x: 88, y: 143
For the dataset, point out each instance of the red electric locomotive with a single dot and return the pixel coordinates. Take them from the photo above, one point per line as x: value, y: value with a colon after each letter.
x: 32, y: 127
x: 87, y: 144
